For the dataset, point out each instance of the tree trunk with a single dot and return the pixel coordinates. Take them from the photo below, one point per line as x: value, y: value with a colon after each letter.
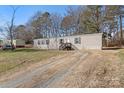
x: 121, y: 32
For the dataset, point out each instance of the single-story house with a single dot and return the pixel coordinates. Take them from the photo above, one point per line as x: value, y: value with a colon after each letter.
x: 84, y: 41
x: 16, y: 42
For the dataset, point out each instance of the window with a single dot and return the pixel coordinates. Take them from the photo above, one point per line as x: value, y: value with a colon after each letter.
x: 47, y: 42
x: 61, y: 41
x: 77, y: 40
x: 38, y: 42
x: 42, y: 42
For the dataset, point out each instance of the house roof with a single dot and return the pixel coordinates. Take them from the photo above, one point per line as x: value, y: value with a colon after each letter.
x: 71, y: 36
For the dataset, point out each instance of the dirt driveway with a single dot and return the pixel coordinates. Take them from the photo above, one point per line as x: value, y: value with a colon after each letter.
x: 74, y: 69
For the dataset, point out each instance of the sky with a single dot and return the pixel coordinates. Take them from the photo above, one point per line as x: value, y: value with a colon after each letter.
x: 25, y: 12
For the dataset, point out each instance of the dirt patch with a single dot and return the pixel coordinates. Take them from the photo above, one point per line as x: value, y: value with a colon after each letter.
x: 8, y: 76
x: 101, y: 69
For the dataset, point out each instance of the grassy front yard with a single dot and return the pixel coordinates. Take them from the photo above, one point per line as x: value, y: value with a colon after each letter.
x: 17, y: 58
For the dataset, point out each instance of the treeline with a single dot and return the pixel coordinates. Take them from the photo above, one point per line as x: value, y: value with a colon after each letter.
x: 78, y: 20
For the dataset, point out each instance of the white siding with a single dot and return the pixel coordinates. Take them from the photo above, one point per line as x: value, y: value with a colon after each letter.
x: 88, y: 41
x: 92, y: 41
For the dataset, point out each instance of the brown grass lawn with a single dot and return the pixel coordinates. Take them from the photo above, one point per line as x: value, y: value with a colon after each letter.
x: 121, y: 55
x: 99, y: 69
x: 15, y: 59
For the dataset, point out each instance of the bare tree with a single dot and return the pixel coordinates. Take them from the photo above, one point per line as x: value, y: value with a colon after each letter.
x: 10, y: 27
x: 75, y: 13
x: 115, y: 14
x: 71, y: 21
x: 67, y: 24
x: 56, y: 26
x: 35, y: 24
x: 41, y: 25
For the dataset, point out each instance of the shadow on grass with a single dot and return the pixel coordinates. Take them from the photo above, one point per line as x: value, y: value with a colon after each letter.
x: 23, y: 50
x: 111, y: 48
x: 28, y: 50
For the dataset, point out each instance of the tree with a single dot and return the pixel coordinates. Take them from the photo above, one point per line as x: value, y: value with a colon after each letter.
x: 46, y: 24
x: 35, y: 25
x: 19, y: 32
x: 40, y: 23
x: 70, y: 22
x: 10, y: 27
x: 91, y: 19
x: 114, y: 16
x: 56, y: 26
x: 120, y: 14
x: 67, y: 25
x: 24, y: 33
x: 74, y: 13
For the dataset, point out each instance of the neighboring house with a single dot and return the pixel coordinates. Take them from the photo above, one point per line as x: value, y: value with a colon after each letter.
x: 85, y: 41
x: 16, y: 42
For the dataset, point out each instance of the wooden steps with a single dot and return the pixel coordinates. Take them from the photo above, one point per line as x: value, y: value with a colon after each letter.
x: 65, y: 46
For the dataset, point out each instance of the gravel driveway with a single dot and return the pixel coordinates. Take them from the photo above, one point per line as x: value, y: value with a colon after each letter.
x: 44, y: 75
x: 78, y: 69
